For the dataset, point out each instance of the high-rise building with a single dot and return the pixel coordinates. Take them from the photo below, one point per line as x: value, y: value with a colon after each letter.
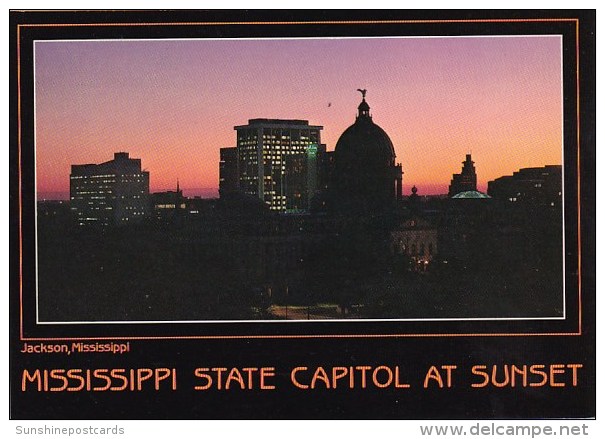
x: 466, y: 180
x: 265, y: 150
x: 228, y: 176
x: 111, y: 193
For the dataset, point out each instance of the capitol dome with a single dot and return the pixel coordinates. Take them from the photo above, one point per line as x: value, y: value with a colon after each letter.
x: 365, y: 173
x: 364, y: 141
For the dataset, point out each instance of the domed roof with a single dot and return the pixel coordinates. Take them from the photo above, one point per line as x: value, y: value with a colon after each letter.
x: 365, y: 139
x: 471, y: 194
x: 364, y: 171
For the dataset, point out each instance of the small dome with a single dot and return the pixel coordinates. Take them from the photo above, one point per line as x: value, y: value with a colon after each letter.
x: 471, y: 195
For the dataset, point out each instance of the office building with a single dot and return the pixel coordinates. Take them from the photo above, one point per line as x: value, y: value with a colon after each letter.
x: 168, y: 206
x: 111, y: 193
x: 228, y: 176
x: 538, y: 186
x: 265, y: 150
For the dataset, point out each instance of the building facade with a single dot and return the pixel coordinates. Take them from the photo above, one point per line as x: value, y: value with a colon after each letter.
x: 305, y: 178
x: 466, y: 180
x: 228, y: 175
x: 168, y: 206
x: 266, y: 149
x: 540, y: 186
x: 416, y: 238
x: 111, y: 193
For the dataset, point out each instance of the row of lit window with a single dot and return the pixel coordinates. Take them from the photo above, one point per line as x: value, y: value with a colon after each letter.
x: 284, y: 151
x: 288, y: 139
x: 97, y: 180
x: 87, y: 190
x: 284, y: 136
x: 75, y: 177
x: 273, y: 143
x: 276, y: 198
x: 93, y: 180
x: 92, y: 208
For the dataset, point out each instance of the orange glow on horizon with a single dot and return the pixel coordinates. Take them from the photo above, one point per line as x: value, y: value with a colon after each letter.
x: 173, y: 104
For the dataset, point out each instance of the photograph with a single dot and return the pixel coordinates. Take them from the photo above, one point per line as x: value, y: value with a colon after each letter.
x: 302, y: 215
x: 299, y: 179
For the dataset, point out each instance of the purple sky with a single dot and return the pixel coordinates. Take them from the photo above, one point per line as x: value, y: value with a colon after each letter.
x: 174, y: 103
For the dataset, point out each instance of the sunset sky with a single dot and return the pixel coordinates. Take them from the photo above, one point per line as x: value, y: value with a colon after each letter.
x: 174, y: 103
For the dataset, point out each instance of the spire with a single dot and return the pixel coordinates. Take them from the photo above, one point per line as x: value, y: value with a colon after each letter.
x: 363, y: 108
x: 178, y: 189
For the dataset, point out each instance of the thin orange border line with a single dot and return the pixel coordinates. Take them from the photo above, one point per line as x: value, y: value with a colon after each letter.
x: 311, y: 22
x: 579, y: 180
x: 576, y: 20
x: 20, y: 183
x: 222, y: 337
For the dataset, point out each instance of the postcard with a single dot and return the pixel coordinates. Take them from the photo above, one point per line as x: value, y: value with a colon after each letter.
x: 251, y: 215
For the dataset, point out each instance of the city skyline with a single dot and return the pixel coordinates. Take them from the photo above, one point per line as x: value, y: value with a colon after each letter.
x: 174, y: 103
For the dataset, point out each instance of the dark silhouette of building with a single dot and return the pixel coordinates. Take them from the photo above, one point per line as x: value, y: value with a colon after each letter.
x: 541, y: 186
x: 466, y: 180
x: 305, y: 177
x: 168, y: 206
x: 111, y: 193
x: 365, y: 175
x: 264, y: 147
x: 228, y: 175
x: 413, y: 198
x: 51, y: 213
x: 242, y: 257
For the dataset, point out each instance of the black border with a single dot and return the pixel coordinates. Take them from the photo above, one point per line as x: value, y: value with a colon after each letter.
x: 573, y: 338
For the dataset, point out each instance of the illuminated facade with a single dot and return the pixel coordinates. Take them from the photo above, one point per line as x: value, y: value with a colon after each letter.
x: 306, y: 176
x: 417, y: 239
x: 111, y: 193
x: 276, y: 159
